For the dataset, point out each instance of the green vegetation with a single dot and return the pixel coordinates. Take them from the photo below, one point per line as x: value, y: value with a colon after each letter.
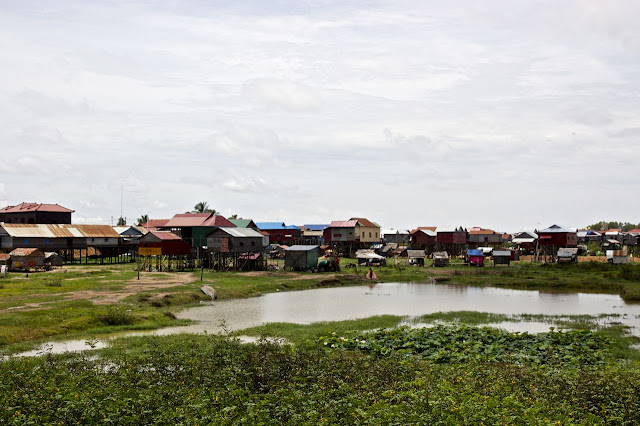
x: 463, y: 343
x: 189, y: 379
x: 624, y: 226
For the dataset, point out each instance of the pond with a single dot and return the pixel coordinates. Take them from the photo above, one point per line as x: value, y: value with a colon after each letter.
x: 403, y: 299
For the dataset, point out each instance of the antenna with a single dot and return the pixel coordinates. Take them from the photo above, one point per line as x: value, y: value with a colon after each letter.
x: 120, y: 200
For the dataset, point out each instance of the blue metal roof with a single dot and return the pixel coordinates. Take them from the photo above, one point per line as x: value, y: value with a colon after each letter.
x: 270, y: 225
x: 475, y: 252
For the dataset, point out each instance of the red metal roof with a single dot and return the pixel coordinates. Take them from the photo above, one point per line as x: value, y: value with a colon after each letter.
x: 481, y: 231
x: 32, y: 207
x: 24, y: 251
x: 635, y: 231
x: 155, y: 223
x: 343, y: 223
x: 164, y: 235
x: 186, y: 220
x: 218, y: 220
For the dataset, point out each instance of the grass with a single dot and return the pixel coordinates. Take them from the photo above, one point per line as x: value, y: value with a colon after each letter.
x: 187, y: 379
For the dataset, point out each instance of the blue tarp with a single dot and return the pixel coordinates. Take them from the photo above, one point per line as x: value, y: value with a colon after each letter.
x: 475, y: 252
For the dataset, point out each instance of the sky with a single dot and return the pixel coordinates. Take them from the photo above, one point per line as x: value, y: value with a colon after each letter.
x: 502, y: 114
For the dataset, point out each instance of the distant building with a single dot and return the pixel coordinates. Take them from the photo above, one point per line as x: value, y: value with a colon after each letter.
x: 193, y: 228
x: 36, y: 213
x: 483, y: 237
x: 279, y: 233
x: 396, y: 236
x: 354, y: 230
x: 558, y: 236
x: 244, y: 223
x: 423, y: 238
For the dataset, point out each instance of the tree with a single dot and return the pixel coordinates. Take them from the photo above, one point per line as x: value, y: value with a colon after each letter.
x: 143, y: 219
x: 122, y: 221
x: 203, y: 207
x: 233, y: 216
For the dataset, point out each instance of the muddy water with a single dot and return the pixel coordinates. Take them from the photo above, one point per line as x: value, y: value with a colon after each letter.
x: 343, y: 303
x: 403, y: 299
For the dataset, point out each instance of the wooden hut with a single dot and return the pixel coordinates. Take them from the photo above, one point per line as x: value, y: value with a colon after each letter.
x: 5, y: 260
x: 440, y: 258
x: 301, y: 258
x: 501, y: 257
x: 26, y: 259
x: 52, y: 259
x: 236, y: 248
x: 416, y: 257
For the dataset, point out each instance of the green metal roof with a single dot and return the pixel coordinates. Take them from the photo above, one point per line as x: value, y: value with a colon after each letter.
x: 241, y: 223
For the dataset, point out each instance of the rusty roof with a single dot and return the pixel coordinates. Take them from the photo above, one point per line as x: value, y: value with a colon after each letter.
x: 23, y: 230
x: 155, y: 223
x: 4, y: 256
x: 24, y: 251
x: 185, y: 220
x: 33, y: 207
x: 164, y: 235
x: 426, y: 228
x: 481, y: 231
x: 365, y: 222
x: 96, y: 231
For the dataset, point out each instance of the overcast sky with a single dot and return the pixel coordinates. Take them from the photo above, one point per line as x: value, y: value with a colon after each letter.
x: 502, y: 114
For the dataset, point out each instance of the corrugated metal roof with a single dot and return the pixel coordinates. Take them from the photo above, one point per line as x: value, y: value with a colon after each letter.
x: 4, y: 256
x: 301, y: 248
x: 449, y: 229
x: 95, y: 231
x: 33, y: 207
x: 315, y: 227
x: 555, y: 229
x: 412, y: 254
x: 523, y: 240
x: 270, y: 225
x: 426, y: 232
x: 243, y: 223
x: 24, y: 251
x: 242, y: 232
x: 186, y: 220
x: 502, y: 253
x: 481, y: 231
x: 218, y: 220
x: 343, y: 223
x: 164, y: 235
x: 155, y: 223
x: 365, y: 222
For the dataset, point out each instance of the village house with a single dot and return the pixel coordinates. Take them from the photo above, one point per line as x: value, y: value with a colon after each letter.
x: 396, y: 236
x: 525, y: 240
x: 478, y: 237
x: 424, y: 238
x: 313, y: 233
x: 354, y: 230
x: 26, y: 259
x: 193, y: 228
x: 244, y: 223
x: 558, y: 236
x: 36, y: 213
x: 279, y: 233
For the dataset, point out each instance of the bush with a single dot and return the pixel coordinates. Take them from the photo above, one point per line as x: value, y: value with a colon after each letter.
x: 116, y: 315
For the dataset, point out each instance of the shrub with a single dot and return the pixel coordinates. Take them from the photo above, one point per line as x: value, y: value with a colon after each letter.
x: 53, y: 281
x: 116, y: 315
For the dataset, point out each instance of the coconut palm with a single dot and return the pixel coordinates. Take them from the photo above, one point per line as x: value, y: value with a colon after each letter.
x: 143, y: 219
x: 203, y: 207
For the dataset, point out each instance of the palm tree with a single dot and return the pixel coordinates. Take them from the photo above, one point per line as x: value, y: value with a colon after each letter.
x: 143, y: 219
x: 233, y: 216
x: 203, y: 207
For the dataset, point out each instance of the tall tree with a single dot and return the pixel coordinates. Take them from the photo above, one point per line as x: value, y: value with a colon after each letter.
x: 233, y: 216
x: 143, y: 219
x: 122, y: 221
x: 203, y: 207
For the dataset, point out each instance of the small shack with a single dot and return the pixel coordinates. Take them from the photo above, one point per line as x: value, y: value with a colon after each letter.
x: 617, y: 257
x: 51, y: 259
x: 5, y: 260
x: 440, y: 258
x: 568, y: 255
x: 26, y: 259
x: 301, y: 258
x: 163, y: 247
x: 369, y: 258
x: 416, y: 257
x: 475, y: 257
x: 502, y: 257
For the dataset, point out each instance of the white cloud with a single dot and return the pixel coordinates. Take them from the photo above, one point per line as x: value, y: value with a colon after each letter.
x: 321, y: 110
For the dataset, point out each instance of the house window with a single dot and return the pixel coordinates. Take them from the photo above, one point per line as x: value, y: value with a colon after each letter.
x: 241, y: 244
x: 253, y: 243
x: 376, y: 235
x: 369, y: 234
x: 106, y: 240
x: 363, y: 235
